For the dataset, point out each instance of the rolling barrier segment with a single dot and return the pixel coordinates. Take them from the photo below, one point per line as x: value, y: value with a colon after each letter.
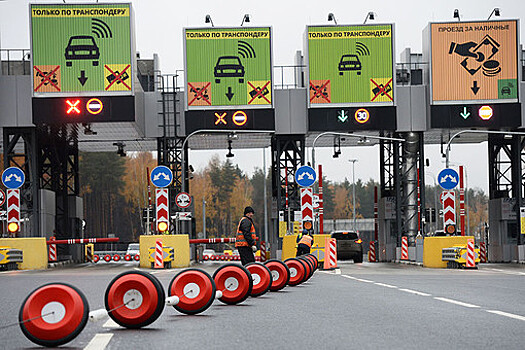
x: 56, y: 313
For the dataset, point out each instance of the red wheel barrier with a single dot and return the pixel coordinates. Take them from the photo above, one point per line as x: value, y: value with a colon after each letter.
x: 96, y: 258
x: 142, y: 295
x: 235, y: 283
x: 136, y: 257
x: 280, y: 274
x: 297, y: 271
x: 195, y: 289
x: 116, y: 257
x: 262, y: 278
x: 56, y: 313
x: 107, y: 258
x: 206, y: 258
x: 309, y: 267
x: 127, y: 257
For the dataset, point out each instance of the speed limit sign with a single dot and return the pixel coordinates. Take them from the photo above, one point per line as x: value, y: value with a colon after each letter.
x: 183, y: 200
x: 2, y: 197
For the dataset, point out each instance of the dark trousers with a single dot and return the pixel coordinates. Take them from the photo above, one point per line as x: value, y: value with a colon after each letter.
x: 246, y: 254
x: 302, y: 249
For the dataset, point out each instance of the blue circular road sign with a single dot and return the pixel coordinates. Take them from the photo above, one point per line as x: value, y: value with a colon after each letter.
x: 161, y: 176
x: 13, y: 178
x: 305, y: 176
x: 448, y: 178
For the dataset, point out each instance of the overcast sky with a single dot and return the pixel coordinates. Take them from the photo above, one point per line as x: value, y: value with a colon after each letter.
x: 159, y: 25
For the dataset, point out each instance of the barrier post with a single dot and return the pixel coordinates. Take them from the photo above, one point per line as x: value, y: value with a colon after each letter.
x: 263, y: 251
x: 52, y: 250
x: 159, y: 255
x: 372, y: 252
x: 330, y: 261
x: 404, y: 248
x: 470, y: 253
x: 483, y: 252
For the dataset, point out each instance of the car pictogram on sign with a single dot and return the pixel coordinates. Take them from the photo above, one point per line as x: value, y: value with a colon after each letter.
x: 228, y: 66
x: 82, y: 47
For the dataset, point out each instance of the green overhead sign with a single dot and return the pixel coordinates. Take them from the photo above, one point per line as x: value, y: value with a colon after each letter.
x: 82, y: 49
x: 350, y: 65
x: 228, y: 67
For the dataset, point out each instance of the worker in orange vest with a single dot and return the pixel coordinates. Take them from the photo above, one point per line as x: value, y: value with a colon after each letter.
x: 245, y: 242
x: 304, y: 242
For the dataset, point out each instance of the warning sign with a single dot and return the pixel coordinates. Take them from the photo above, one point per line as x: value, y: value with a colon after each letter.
x: 259, y: 93
x: 91, y: 44
x: 474, y: 61
x: 320, y: 91
x: 199, y: 94
x: 46, y: 78
x: 116, y: 77
x: 381, y: 90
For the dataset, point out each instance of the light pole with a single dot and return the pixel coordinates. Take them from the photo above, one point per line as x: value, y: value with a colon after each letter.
x: 353, y: 189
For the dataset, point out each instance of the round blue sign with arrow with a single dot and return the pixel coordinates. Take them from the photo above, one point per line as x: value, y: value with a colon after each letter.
x: 13, y: 178
x: 161, y: 176
x: 305, y: 176
x: 448, y: 178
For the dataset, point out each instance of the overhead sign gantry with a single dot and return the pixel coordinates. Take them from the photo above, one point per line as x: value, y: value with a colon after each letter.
x: 351, y: 77
x: 83, y: 63
x: 229, y: 79
x: 474, y: 74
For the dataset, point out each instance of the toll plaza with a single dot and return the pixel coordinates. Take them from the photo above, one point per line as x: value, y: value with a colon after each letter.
x: 348, y: 89
x: 83, y: 87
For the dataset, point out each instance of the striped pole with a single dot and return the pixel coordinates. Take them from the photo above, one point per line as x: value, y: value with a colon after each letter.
x: 372, y: 252
x: 52, y: 250
x: 159, y: 261
x: 263, y: 251
x: 470, y: 253
x: 404, y: 248
x: 461, y: 201
x: 483, y: 252
x: 321, y: 210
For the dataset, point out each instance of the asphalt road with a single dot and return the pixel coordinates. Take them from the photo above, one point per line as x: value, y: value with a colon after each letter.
x: 365, y: 306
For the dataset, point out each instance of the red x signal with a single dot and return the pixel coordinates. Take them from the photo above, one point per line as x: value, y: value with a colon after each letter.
x: 73, y: 106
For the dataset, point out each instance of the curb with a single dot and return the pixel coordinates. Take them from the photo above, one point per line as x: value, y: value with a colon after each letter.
x: 60, y: 263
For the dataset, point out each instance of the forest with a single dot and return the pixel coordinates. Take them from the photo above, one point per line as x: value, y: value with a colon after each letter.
x: 114, y: 196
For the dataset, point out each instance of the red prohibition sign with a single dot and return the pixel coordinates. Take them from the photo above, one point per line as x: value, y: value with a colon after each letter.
x: 199, y: 93
x: 259, y: 92
x: 47, y: 77
x: 318, y: 92
x: 117, y: 77
x: 382, y: 90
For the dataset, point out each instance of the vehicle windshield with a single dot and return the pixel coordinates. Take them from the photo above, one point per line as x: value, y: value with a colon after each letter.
x: 133, y: 246
x: 229, y: 61
x: 82, y: 41
x: 348, y: 235
x: 349, y: 58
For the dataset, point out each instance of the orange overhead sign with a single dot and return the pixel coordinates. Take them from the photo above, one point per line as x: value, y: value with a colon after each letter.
x: 474, y: 61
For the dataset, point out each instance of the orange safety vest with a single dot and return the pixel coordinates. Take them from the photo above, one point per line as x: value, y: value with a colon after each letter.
x: 240, y: 241
x: 307, y: 240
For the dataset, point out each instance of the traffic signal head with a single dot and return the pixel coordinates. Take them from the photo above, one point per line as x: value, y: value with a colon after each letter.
x: 162, y: 226
x: 13, y: 227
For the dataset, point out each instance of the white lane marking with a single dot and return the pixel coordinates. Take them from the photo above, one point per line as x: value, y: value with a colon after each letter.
x: 415, y: 292
x: 506, y: 314
x: 456, y: 302
x: 357, y: 279
x: 99, y: 341
x: 350, y: 277
x: 385, y: 285
x: 111, y: 324
x: 507, y: 272
x: 337, y: 271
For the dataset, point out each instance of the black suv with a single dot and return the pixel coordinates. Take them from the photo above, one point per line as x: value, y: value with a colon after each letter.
x: 349, y: 245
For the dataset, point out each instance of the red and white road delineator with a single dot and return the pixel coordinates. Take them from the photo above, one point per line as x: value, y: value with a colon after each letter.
x: 52, y: 250
x: 404, y: 248
x: 162, y: 201
x: 483, y: 252
x: 159, y: 255
x: 263, y: 251
x: 307, y: 210
x: 134, y: 299
x: 448, y: 199
x: 471, y: 254
x: 330, y: 261
x: 53, y: 314
x: 372, y: 252
x: 13, y: 206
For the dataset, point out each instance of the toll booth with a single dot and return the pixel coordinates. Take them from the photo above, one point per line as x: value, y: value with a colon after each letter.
x: 387, y: 233
x: 503, y: 230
